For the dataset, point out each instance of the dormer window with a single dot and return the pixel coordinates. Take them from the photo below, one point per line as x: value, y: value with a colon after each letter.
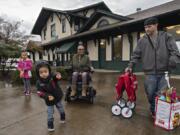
x: 76, y: 25
x: 52, y: 18
x: 103, y: 23
x: 63, y: 25
x: 44, y: 32
x: 53, y: 30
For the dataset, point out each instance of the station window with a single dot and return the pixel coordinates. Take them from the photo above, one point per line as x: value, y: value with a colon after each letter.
x: 175, y: 31
x: 117, y: 49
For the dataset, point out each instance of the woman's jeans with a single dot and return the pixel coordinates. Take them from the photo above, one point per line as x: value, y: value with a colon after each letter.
x: 27, y: 85
x: 153, y: 85
x: 50, y: 111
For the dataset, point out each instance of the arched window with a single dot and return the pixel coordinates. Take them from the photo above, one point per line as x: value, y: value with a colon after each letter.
x: 103, y: 23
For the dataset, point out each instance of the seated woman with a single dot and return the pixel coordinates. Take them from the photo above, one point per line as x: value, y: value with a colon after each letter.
x: 81, y: 66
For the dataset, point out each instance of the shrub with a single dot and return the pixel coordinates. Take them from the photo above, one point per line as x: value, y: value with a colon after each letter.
x: 17, y: 80
x: 62, y: 71
x: 15, y: 77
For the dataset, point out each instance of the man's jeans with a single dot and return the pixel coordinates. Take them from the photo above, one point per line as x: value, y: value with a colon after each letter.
x: 50, y: 111
x: 153, y: 85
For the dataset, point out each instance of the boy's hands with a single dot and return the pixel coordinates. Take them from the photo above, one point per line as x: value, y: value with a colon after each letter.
x: 58, y: 76
x: 50, y: 98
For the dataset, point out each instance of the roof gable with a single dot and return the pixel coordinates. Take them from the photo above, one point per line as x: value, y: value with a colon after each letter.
x: 100, y: 5
x: 44, y: 16
x: 93, y: 19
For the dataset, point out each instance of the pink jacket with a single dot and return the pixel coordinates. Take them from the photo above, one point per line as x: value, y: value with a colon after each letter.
x: 25, y: 66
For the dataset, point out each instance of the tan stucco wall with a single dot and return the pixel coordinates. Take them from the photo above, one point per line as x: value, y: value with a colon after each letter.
x: 50, y: 54
x: 58, y: 29
x: 68, y: 30
x: 65, y: 57
x: 60, y: 57
x: 134, y: 34
x: 125, y: 48
x: 108, y: 50
x: 36, y: 56
x: 93, y: 50
x: 45, y: 57
x: 31, y: 56
x: 90, y: 12
x: 48, y: 26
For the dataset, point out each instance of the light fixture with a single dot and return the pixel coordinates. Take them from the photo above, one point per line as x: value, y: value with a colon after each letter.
x: 45, y: 52
x: 142, y: 34
x: 170, y: 27
x: 119, y: 36
x: 80, y: 43
x: 178, y: 31
x: 102, y: 43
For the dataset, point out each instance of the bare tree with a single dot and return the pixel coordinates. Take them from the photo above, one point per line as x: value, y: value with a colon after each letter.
x: 12, y: 40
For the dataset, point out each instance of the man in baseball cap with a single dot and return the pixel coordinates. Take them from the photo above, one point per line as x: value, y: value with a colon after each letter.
x: 158, y: 53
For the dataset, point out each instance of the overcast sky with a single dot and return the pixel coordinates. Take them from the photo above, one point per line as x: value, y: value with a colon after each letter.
x: 28, y: 10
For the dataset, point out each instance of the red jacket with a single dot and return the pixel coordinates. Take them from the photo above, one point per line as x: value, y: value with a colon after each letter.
x: 128, y: 82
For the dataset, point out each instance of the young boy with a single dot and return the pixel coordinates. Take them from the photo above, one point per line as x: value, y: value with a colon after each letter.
x: 49, y: 90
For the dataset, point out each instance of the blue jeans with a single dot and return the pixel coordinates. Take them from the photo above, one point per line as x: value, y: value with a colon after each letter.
x: 153, y: 85
x: 27, y: 85
x: 50, y: 111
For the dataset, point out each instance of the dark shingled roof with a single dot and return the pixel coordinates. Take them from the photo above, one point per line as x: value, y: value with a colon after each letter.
x: 100, y: 5
x: 157, y: 10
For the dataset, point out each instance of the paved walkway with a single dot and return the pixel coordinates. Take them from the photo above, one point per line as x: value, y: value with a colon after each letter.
x: 137, y: 73
x: 21, y: 115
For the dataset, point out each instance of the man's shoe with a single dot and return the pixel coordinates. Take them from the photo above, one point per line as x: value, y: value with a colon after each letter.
x: 153, y: 115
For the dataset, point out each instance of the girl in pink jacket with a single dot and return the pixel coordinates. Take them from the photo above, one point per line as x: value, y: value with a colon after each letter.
x: 24, y: 67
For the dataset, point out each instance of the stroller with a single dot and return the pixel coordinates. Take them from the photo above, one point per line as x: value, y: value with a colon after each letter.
x: 128, y: 82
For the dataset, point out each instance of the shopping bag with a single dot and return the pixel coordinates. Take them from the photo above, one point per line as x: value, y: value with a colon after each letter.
x: 167, y: 114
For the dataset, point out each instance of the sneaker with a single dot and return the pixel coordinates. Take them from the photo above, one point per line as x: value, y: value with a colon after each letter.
x: 27, y: 94
x: 50, y: 129
x: 50, y: 126
x: 62, y: 120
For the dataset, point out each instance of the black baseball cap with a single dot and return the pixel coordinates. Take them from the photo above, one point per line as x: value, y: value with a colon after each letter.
x: 150, y: 21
